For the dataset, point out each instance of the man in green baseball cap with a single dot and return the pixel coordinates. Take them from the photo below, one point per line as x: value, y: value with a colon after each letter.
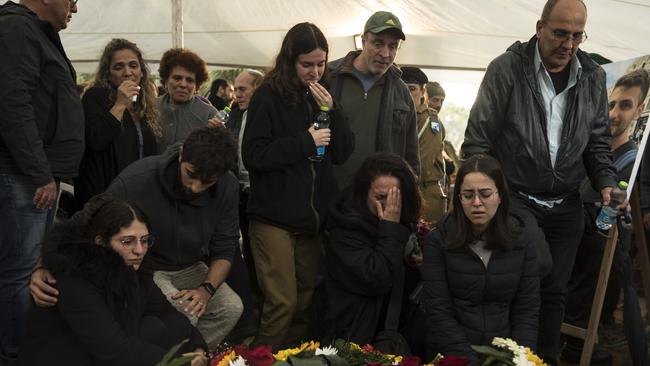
x: 381, y: 21
x: 375, y: 102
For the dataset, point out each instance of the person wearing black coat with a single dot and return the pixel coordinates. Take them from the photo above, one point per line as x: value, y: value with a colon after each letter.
x: 289, y: 191
x: 480, y: 271
x: 107, y: 312
x: 368, y: 229
x: 121, y: 120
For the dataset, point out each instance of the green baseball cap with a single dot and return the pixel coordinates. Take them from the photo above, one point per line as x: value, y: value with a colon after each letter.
x: 381, y: 21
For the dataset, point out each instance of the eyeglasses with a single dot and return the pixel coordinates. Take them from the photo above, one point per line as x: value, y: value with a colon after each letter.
x: 562, y: 35
x: 484, y: 195
x: 129, y: 241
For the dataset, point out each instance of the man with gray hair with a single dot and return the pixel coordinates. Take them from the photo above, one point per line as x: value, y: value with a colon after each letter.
x: 374, y: 101
x: 541, y: 111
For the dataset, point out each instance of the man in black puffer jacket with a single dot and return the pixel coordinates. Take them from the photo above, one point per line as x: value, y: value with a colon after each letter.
x: 542, y: 112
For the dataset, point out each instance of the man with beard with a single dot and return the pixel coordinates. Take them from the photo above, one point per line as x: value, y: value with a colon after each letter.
x: 374, y: 101
x: 190, y: 198
x: 625, y: 107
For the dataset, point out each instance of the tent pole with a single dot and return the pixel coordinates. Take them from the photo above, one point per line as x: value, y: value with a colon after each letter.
x: 177, y: 24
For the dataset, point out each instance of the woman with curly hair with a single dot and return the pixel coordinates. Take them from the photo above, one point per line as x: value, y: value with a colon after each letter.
x: 182, y: 72
x: 121, y: 118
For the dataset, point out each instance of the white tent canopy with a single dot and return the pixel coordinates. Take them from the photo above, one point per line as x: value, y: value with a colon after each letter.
x: 440, y: 34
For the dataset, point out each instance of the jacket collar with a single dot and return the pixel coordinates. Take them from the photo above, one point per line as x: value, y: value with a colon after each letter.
x: 526, y: 51
x: 345, y: 66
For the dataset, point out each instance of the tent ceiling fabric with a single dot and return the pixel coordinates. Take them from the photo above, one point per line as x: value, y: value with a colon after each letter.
x: 446, y: 34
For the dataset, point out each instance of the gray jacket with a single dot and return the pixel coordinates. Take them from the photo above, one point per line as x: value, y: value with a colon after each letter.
x: 178, y: 120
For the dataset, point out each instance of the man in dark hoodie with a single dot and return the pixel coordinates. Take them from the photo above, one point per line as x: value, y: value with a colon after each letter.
x: 190, y: 197
x: 41, y: 141
x: 542, y: 112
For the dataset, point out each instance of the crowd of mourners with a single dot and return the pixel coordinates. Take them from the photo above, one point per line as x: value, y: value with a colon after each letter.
x: 316, y: 200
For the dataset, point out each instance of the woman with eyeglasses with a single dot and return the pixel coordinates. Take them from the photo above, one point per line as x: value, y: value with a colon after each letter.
x: 480, y: 271
x: 107, y: 312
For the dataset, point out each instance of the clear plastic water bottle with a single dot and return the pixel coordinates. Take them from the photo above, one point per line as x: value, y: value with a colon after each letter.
x: 224, y: 114
x: 607, y: 215
x: 322, y: 121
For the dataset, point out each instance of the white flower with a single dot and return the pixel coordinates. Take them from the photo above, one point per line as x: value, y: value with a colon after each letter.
x: 327, y: 351
x: 239, y: 361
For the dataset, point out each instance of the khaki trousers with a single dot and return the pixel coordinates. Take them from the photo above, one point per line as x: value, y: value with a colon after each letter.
x: 222, y: 312
x: 286, y: 264
x: 433, y: 203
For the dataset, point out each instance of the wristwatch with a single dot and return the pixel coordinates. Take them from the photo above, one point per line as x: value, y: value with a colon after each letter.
x: 209, y: 288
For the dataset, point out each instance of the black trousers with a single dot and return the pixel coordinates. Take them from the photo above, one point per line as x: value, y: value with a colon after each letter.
x: 560, y: 233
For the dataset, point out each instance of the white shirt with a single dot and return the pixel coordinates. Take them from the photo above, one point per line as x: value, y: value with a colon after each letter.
x: 243, y: 173
x: 555, y: 104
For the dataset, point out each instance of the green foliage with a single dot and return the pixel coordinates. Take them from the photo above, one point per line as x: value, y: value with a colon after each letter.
x: 455, y: 119
x: 178, y: 361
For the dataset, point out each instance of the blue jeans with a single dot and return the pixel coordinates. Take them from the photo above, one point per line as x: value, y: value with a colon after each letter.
x: 22, y: 228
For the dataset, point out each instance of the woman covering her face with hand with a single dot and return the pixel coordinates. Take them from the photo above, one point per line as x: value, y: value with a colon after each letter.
x: 121, y: 118
x: 289, y: 192
x: 480, y: 270
x: 368, y: 229
x: 107, y: 312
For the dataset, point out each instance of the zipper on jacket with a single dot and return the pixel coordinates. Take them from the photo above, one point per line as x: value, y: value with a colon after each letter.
x: 178, y: 242
x: 313, y: 190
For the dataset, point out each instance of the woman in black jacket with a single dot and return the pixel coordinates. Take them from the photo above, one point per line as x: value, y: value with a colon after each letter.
x: 368, y: 229
x: 289, y: 191
x: 480, y: 270
x: 121, y: 118
x: 107, y: 313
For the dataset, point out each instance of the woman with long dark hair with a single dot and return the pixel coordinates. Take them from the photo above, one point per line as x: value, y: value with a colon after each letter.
x: 368, y: 230
x: 122, y: 122
x: 480, y: 271
x: 289, y: 192
x: 107, y: 312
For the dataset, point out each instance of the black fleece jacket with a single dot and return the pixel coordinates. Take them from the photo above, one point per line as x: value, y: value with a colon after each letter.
x: 188, y: 230
x: 287, y: 189
x: 106, y: 312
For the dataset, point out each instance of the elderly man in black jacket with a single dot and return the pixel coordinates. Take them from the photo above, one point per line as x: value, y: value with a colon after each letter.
x: 542, y: 112
x: 41, y: 140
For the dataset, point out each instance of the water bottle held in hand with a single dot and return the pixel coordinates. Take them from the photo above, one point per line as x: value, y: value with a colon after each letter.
x: 224, y: 114
x: 607, y: 215
x: 322, y: 121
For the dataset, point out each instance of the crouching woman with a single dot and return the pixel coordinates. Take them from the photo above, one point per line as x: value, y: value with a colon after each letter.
x: 107, y: 313
x: 480, y: 270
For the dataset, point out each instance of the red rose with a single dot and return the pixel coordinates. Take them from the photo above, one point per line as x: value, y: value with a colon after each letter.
x: 368, y: 348
x: 453, y: 361
x: 411, y: 361
x: 260, y: 356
